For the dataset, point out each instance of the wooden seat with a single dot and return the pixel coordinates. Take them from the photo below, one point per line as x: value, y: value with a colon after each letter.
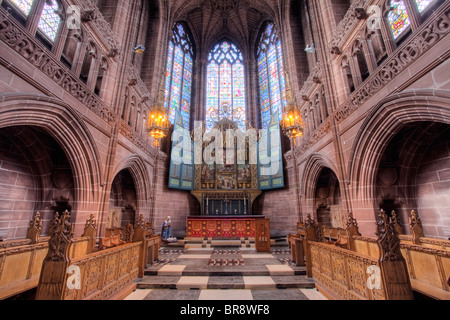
x: 115, y: 240
x: 105, y: 243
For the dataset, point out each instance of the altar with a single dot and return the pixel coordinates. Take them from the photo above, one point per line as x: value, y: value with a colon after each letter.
x: 226, y: 169
x: 222, y: 226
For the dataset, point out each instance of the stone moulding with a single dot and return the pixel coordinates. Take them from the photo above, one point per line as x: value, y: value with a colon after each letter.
x: 419, y: 43
x: 17, y: 38
x: 93, y: 15
x: 345, y: 26
x: 322, y: 131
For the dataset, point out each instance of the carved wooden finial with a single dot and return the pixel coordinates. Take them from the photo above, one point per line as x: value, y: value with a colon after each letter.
x: 53, y: 224
x: 140, y: 223
x: 35, y: 228
x: 61, y: 238
x: 311, y: 229
x: 91, y: 222
x: 352, y: 225
x: 36, y: 221
x: 416, y: 227
x: 90, y: 230
x: 128, y: 233
x: 309, y: 220
x: 388, y: 239
x: 397, y: 224
x: 53, y: 273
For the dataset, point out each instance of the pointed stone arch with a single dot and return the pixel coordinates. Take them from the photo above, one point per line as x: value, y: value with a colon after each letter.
x: 313, y: 169
x: 393, y: 117
x: 142, y: 179
x: 64, y: 125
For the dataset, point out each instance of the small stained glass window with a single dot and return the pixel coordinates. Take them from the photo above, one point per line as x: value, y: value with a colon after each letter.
x: 225, y: 97
x: 423, y: 5
x: 398, y: 18
x: 23, y: 5
x: 272, y: 82
x: 50, y: 20
x: 179, y: 75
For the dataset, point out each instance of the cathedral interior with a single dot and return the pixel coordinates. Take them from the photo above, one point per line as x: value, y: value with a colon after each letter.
x: 111, y: 111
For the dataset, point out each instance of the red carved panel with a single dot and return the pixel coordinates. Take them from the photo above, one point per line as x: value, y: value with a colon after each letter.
x: 221, y: 228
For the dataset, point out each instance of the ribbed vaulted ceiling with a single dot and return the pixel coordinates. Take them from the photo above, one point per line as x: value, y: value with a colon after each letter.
x: 212, y: 20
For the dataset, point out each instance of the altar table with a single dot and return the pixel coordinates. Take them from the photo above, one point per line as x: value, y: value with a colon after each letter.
x: 222, y: 226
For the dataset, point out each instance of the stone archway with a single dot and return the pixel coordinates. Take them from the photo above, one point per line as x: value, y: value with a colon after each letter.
x: 130, y: 193
x: 396, y: 128
x: 63, y: 125
x: 414, y: 174
x: 321, y: 191
x: 35, y: 177
x: 327, y: 200
x: 123, y: 201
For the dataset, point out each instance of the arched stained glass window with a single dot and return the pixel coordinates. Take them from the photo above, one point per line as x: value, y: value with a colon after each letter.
x: 225, y: 95
x: 272, y: 82
x: 179, y: 75
x: 398, y: 18
x: 50, y: 20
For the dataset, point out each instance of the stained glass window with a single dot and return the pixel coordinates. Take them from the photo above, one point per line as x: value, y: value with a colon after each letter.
x: 272, y: 82
x: 225, y: 96
x: 179, y: 75
x: 50, y: 20
x: 422, y: 5
x: 23, y: 5
x: 398, y: 18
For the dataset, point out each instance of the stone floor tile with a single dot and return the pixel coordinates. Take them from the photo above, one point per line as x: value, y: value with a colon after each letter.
x: 223, y: 295
x: 259, y: 283
x: 285, y: 295
x: 280, y: 270
x: 171, y: 270
x: 258, y: 256
x: 193, y: 283
x: 139, y: 295
x: 313, y: 294
x: 173, y: 295
x: 195, y: 256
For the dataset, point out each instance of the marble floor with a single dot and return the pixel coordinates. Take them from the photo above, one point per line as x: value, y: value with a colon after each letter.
x: 230, y: 273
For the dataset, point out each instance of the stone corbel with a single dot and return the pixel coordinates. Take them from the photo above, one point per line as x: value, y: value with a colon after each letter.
x: 114, y: 52
x: 360, y: 13
x: 317, y: 80
x: 88, y: 15
x: 336, y: 50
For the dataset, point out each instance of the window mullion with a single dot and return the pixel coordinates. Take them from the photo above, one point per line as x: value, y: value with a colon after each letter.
x: 35, y: 16
x: 232, y: 91
x: 169, y: 96
x: 282, y: 96
x: 180, y: 101
x: 413, y: 14
x: 269, y: 86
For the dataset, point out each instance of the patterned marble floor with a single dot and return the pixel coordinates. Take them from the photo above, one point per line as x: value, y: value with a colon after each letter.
x: 225, y: 274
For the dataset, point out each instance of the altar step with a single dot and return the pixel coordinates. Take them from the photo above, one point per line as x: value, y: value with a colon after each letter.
x: 212, y: 243
x: 248, y: 282
x: 224, y: 268
x: 191, y: 243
